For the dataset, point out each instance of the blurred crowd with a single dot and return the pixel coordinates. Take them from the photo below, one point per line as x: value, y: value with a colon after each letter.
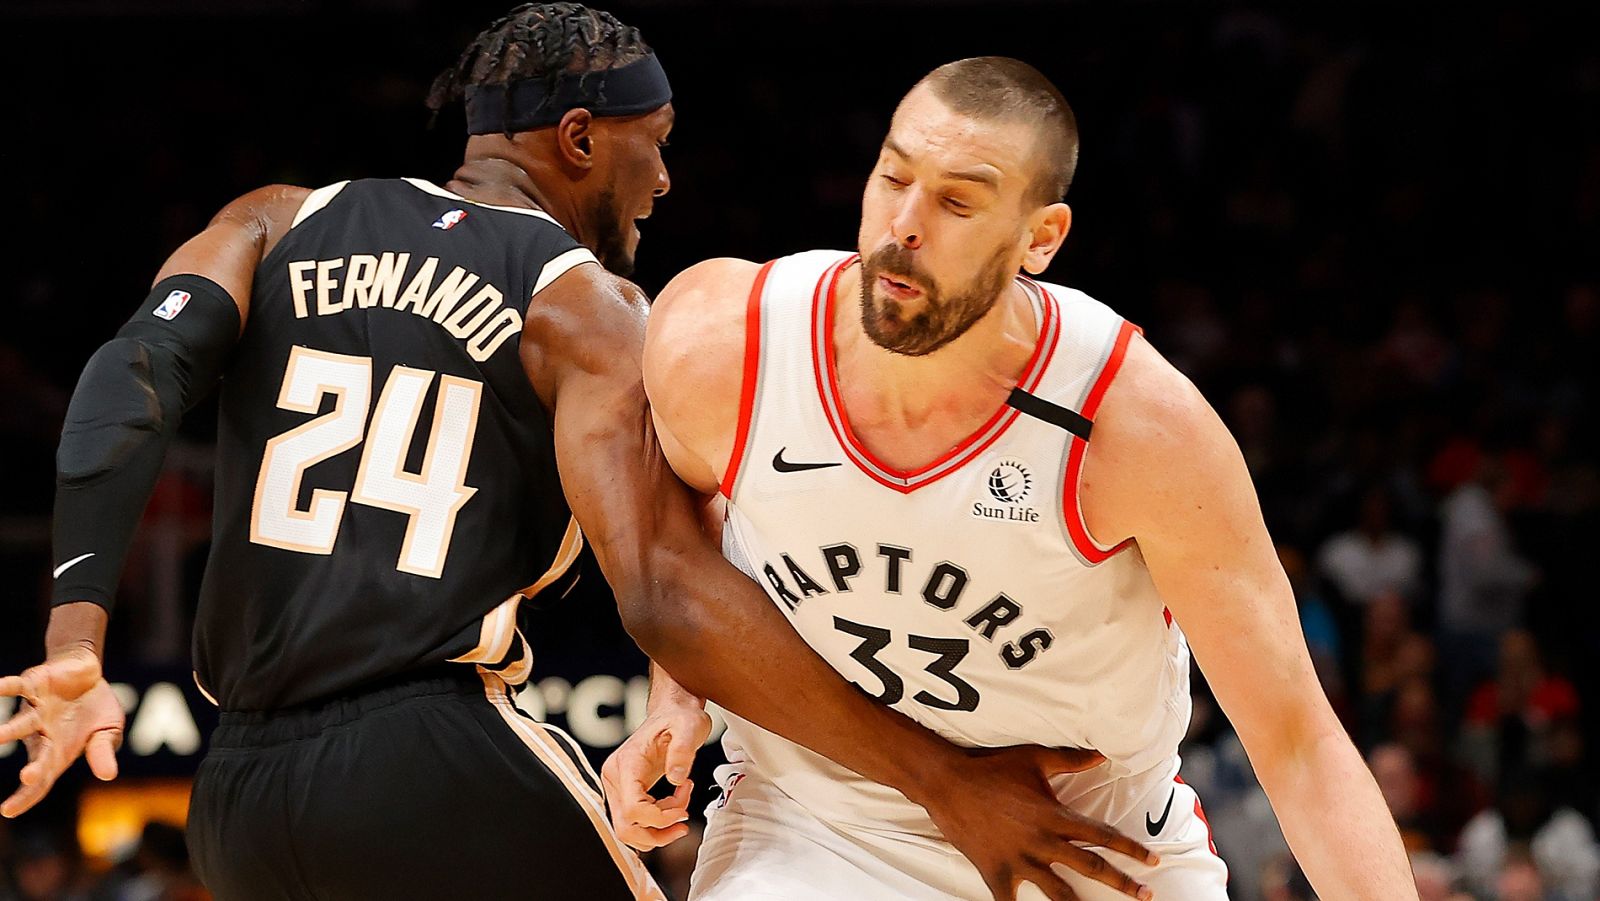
x: 41, y: 866
x: 1358, y: 230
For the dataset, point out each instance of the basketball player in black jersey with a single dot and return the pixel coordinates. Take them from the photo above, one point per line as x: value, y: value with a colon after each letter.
x: 405, y: 368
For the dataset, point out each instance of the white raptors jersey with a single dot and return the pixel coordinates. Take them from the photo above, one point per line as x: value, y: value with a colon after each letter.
x: 968, y: 594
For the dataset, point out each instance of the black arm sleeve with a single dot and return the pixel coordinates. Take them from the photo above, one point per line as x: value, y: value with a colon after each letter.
x: 123, y: 415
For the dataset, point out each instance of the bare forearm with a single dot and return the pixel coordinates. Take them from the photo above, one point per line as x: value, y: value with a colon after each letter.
x: 76, y: 626
x: 703, y: 621
x: 1336, y: 822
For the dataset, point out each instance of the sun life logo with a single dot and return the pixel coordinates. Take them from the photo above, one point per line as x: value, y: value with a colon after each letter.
x: 1010, y: 482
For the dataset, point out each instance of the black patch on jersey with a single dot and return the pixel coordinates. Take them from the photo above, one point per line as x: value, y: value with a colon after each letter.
x: 1055, y: 414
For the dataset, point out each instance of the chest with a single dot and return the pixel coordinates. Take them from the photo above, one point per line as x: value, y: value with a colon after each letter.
x: 910, y: 440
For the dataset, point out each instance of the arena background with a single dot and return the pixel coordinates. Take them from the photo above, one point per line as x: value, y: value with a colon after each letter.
x: 1368, y: 231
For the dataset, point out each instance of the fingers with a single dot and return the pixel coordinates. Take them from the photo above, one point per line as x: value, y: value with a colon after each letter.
x: 632, y: 805
x: 13, y: 686
x: 20, y: 726
x: 629, y: 813
x: 1082, y: 829
x: 670, y: 834
x: 653, y: 815
x: 35, y: 782
x: 1001, y: 883
x: 646, y: 826
x: 1092, y: 865
x: 1054, y: 761
x: 636, y: 837
x: 650, y: 823
x: 642, y: 839
x: 639, y: 766
x: 1051, y: 885
x: 101, y: 753
x: 22, y: 800
x: 681, y: 748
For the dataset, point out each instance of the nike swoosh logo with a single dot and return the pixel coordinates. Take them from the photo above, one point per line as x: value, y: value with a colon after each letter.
x: 782, y: 465
x: 1154, y: 827
x: 70, y: 564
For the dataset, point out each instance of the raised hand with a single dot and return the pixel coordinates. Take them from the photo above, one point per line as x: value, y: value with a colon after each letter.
x: 68, y: 710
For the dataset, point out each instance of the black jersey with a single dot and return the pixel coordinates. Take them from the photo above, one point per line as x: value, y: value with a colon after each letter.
x: 386, y: 474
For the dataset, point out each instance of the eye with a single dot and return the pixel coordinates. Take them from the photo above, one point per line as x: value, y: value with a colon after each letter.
x: 663, y: 144
x: 957, y: 207
x: 893, y: 182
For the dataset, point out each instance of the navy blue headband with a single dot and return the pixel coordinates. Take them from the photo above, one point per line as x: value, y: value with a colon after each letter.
x: 628, y: 90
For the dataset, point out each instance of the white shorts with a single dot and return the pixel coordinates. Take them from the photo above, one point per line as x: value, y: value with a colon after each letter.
x: 762, y: 845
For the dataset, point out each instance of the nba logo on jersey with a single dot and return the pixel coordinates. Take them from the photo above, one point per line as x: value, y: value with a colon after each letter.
x: 450, y: 220
x: 173, y: 305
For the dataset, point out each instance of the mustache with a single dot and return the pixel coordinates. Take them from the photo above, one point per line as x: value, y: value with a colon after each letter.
x: 897, y: 259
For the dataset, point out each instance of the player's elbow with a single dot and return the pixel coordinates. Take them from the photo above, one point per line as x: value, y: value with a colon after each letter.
x: 1285, y: 748
x: 116, y: 409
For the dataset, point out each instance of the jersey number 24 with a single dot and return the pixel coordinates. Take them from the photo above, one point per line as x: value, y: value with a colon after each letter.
x: 431, y: 499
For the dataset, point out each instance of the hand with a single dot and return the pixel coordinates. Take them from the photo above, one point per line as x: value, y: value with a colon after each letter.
x: 68, y: 711
x: 664, y: 745
x: 998, y: 809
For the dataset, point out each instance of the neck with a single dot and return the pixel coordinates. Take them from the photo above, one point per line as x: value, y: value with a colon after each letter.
x: 526, y: 183
x: 965, y: 376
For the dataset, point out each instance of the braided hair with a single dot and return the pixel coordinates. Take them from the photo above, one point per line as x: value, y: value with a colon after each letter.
x: 539, y: 40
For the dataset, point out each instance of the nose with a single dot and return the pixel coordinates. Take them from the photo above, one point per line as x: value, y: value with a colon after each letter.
x: 663, y: 183
x: 906, y: 226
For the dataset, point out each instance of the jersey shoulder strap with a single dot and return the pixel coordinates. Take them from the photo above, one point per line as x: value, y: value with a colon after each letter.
x: 1092, y: 343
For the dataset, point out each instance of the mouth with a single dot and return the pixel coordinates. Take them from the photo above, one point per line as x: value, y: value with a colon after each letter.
x: 898, y: 288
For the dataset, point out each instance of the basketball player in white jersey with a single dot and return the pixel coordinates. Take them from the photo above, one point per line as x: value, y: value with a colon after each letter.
x: 990, y: 503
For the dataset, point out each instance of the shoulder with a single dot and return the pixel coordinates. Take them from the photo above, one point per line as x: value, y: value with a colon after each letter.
x: 1075, y: 302
x: 267, y: 213
x: 586, y: 321
x: 1158, y: 451
x: 697, y: 328
x: 271, y: 203
x: 588, y: 308
x: 1151, y: 411
x: 694, y: 365
x: 237, y: 239
x: 712, y: 287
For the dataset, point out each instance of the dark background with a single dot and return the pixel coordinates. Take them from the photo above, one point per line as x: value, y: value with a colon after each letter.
x: 1368, y: 232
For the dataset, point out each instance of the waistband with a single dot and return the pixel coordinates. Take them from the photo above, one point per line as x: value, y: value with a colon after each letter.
x: 261, y: 728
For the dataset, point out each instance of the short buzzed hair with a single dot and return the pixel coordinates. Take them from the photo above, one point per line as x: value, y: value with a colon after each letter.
x: 1001, y: 88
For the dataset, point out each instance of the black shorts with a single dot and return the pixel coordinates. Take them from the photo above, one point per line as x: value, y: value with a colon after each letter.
x: 427, y: 790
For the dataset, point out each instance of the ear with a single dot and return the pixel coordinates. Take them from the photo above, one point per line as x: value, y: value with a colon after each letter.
x: 1047, y: 230
x: 575, y: 139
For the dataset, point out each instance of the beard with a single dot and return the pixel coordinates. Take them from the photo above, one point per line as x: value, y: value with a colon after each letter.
x: 943, y: 318
x: 611, y: 237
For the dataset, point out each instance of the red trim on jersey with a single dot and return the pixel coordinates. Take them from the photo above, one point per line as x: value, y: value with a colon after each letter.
x: 1199, y: 811
x: 747, y: 391
x: 824, y: 361
x: 1167, y: 612
x: 1070, y: 510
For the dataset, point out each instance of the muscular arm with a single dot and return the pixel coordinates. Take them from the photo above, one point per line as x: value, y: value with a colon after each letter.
x: 1163, y: 469
x: 112, y: 489
x: 696, y: 615
x: 122, y: 418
